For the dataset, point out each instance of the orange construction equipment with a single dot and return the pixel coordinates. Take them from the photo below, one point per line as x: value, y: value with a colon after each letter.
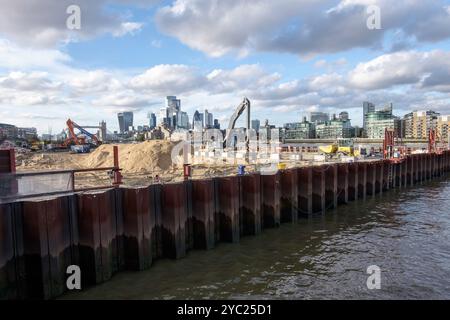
x: 78, y: 140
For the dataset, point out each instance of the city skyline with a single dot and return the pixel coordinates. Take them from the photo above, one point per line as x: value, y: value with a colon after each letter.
x: 128, y: 57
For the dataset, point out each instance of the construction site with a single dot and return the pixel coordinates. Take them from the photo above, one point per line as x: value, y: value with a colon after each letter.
x: 121, y: 206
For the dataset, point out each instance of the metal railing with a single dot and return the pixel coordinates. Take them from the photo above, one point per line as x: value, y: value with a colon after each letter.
x: 21, y: 185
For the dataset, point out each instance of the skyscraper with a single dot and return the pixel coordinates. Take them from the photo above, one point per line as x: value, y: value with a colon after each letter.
x: 151, y: 120
x: 209, y: 119
x: 197, y: 121
x: 125, y: 121
x: 378, y: 121
x: 256, y: 124
x: 164, y: 116
x: 419, y: 123
x: 367, y: 108
x: 344, y: 116
x: 173, y: 103
x: 216, y: 124
x: 182, y: 120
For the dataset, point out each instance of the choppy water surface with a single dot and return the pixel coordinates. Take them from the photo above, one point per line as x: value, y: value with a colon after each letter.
x: 406, y: 233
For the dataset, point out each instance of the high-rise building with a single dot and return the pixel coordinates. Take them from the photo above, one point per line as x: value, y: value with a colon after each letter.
x: 216, y: 124
x: 27, y: 133
x: 419, y: 123
x: 209, y: 119
x: 163, y: 116
x: 125, y: 121
x: 151, y: 120
x: 334, y: 129
x: 197, y: 121
x: 443, y: 128
x: 170, y: 116
x: 173, y: 103
x: 256, y: 124
x: 319, y: 117
x: 182, y: 121
x: 378, y: 121
x: 367, y: 108
x: 300, y: 130
x: 344, y: 116
x: 8, y: 131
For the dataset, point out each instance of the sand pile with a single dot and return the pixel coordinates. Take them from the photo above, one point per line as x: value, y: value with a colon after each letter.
x: 142, y: 157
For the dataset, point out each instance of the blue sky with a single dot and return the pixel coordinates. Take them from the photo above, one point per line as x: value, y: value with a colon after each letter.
x: 289, y: 57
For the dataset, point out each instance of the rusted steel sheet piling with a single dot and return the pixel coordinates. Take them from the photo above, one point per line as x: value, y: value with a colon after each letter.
x: 289, y: 195
x: 49, y: 236
x: 362, y: 180
x: 12, y: 266
x: 440, y: 165
x: 305, y: 191
x: 446, y: 161
x: 433, y: 165
x: 228, y: 208
x: 318, y: 189
x: 342, y: 183
x: 428, y: 167
x: 189, y: 225
x: 138, y: 224
x: 104, y: 232
x: 157, y: 242
x: 100, y: 227
x: 370, y: 178
x: 331, y: 186
x: 421, y: 168
x: 409, y: 171
x: 401, y: 167
x: 250, y: 204
x: 173, y: 220
x: 415, y: 169
x: 270, y: 199
x: 353, y: 181
x: 379, y: 168
x: 399, y: 179
x: 203, y: 214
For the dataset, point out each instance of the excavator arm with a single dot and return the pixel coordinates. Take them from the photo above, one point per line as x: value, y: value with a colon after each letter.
x: 85, y: 132
x: 245, y: 105
x: 71, y: 126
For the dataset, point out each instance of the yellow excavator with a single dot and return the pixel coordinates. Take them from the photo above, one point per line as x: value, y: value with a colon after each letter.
x: 340, y: 147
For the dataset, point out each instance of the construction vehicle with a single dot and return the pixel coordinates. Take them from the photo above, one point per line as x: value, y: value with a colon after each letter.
x: 342, y: 147
x: 245, y: 105
x: 78, y: 143
x: 37, y: 145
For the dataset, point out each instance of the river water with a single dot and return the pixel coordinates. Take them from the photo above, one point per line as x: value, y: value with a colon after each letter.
x: 406, y: 233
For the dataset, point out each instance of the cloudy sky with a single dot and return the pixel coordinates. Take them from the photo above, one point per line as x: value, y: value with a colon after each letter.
x: 289, y: 57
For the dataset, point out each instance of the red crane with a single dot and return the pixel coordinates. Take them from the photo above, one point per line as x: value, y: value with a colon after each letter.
x: 389, y: 147
x: 432, y: 137
x: 388, y: 143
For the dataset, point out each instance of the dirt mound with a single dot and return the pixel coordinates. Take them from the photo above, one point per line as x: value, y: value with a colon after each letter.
x: 134, y: 158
